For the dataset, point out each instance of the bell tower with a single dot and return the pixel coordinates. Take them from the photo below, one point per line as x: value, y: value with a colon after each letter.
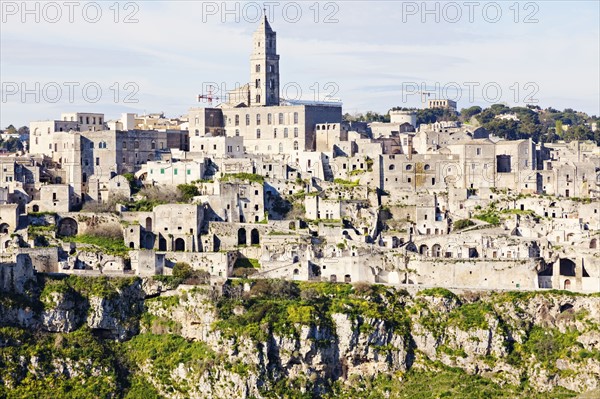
x: 264, y: 67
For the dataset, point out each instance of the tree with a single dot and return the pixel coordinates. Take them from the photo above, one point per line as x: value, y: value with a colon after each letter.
x: 188, y: 191
x: 468, y: 113
x: 182, y: 270
x: 559, y: 128
x: 12, y: 144
x: 11, y: 129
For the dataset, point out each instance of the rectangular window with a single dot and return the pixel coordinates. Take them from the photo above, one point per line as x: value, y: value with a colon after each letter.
x: 189, y: 172
x: 295, y: 117
x: 175, y: 172
x: 269, y: 119
x: 97, y: 161
x: 281, y: 119
x: 162, y: 171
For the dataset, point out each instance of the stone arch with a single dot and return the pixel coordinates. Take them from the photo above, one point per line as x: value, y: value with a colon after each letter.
x: 296, y: 272
x: 131, y: 245
x: 36, y: 208
x: 594, y: 243
x: 254, y: 237
x: 567, y: 284
x: 241, y: 236
x: 347, y: 278
x: 567, y: 267
x: 547, y: 270
x: 67, y: 227
x: 149, y: 241
x: 148, y: 223
x: 162, y: 243
x: 423, y: 249
x: 4, y: 228
x: 436, y: 251
x: 180, y: 244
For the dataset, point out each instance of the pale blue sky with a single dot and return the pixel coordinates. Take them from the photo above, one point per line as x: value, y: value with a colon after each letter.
x: 373, y: 51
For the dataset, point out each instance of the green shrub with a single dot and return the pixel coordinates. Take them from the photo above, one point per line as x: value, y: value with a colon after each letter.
x: 463, y: 224
x: 249, y: 177
x: 182, y: 270
x: 188, y: 191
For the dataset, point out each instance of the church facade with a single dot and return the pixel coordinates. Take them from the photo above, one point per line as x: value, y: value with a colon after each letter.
x: 256, y: 112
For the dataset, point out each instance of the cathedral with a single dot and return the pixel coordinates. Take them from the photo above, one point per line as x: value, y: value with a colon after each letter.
x: 256, y: 112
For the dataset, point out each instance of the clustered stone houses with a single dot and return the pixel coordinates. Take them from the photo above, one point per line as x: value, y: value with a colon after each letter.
x: 308, y: 196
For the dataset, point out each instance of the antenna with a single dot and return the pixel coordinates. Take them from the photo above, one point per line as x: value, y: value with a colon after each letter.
x: 209, y: 96
x: 423, y: 95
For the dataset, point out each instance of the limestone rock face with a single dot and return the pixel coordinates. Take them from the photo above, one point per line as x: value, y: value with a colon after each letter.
x: 114, y: 316
x: 64, y: 316
x: 361, y: 347
x: 494, y: 335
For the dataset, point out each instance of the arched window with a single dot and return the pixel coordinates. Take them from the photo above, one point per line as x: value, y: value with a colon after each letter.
x: 136, y: 144
x: 257, y: 133
x: 247, y: 119
x: 237, y: 120
x: 295, y: 117
x: 295, y: 146
x: 269, y: 119
x: 409, y: 167
x: 237, y: 132
x: 280, y: 147
x: 295, y: 132
x: 280, y: 118
x: 285, y: 132
x: 258, y: 119
x: 427, y: 167
x: 153, y: 145
x: 275, y: 133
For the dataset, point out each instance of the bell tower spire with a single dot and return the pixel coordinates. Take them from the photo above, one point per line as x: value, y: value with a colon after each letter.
x: 264, y: 66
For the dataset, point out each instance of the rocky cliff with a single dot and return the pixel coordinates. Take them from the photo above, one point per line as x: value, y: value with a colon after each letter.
x: 95, y: 337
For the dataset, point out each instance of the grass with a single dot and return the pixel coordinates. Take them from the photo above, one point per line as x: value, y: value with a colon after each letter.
x: 439, y: 382
x: 489, y: 217
x: 246, y: 263
x: 108, y: 245
x: 347, y: 183
x: 249, y: 177
x: 463, y: 224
